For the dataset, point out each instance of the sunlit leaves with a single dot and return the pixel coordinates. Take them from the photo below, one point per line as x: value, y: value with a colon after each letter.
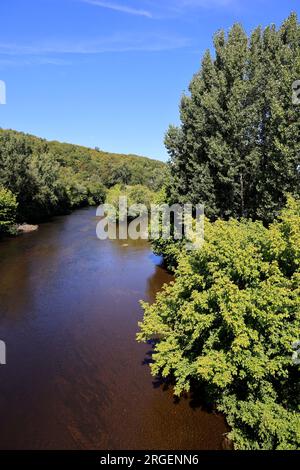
x: 229, y: 321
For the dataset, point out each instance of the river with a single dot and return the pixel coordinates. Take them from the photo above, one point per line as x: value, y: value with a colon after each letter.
x: 75, y: 376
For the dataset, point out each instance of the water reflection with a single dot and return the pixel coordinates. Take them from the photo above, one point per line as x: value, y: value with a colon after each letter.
x: 69, y: 307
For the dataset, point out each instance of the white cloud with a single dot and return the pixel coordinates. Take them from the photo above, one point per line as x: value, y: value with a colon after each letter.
x: 126, y: 42
x: 186, y: 7
x: 204, y: 3
x: 156, y: 9
x: 26, y: 61
x: 120, y: 8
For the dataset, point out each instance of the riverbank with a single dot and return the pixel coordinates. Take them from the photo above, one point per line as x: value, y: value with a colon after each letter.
x: 27, y: 228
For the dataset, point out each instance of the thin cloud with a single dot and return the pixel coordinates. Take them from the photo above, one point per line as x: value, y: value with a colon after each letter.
x: 161, y: 9
x: 168, y: 9
x: 116, y: 43
x: 205, y: 3
x: 23, y: 62
x: 121, y: 8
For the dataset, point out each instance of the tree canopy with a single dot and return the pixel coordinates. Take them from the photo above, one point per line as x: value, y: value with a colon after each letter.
x: 228, y: 323
x: 8, y: 210
x: 237, y: 149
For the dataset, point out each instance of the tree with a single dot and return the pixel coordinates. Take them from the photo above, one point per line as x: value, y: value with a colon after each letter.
x: 96, y: 190
x: 228, y: 323
x: 137, y: 194
x: 8, y: 210
x: 238, y: 147
x: 45, y: 191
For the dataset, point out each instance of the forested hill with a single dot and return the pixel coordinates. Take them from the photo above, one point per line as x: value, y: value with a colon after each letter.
x: 46, y: 177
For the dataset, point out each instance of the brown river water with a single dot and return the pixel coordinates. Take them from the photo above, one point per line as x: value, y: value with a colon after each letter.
x: 75, y: 376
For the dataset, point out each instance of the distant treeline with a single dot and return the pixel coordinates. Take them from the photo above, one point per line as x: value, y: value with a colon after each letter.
x: 39, y: 178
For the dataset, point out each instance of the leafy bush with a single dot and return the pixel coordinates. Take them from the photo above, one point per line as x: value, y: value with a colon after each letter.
x: 8, y: 210
x: 137, y: 194
x: 228, y: 322
x: 96, y: 191
x: 140, y: 194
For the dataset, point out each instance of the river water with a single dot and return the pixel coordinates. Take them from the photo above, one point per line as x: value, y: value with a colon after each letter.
x: 75, y: 376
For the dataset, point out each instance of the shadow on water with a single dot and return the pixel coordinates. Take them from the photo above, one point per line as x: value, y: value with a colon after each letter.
x: 198, y: 396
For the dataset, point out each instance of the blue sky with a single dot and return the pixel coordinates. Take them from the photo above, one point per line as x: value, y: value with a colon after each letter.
x: 110, y: 73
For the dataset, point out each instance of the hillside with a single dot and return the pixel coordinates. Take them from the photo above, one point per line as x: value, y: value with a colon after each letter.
x: 49, y: 177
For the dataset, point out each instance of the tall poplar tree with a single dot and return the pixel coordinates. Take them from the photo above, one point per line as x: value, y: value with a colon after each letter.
x: 237, y: 149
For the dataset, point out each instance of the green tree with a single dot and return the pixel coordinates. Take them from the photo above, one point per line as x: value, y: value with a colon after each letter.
x: 238, y: 147
x: 228, y: 323
x: 96, y: 190
x: 44, y: 192
x: 8, y: 210
x: 137, y: 194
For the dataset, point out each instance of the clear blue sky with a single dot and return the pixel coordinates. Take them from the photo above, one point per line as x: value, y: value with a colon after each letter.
x: 110, y: 73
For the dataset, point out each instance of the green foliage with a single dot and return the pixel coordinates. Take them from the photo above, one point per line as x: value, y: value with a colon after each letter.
x: 228, y: 322
x: 8, y: 210
x: 79, y: 192
x: 96, y: 191
x: 50, y: 177
x: 113, y: 195
x: 237, y: 150
x: 137, y: 194
x: 140, y: 194
x: 111, y: 168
